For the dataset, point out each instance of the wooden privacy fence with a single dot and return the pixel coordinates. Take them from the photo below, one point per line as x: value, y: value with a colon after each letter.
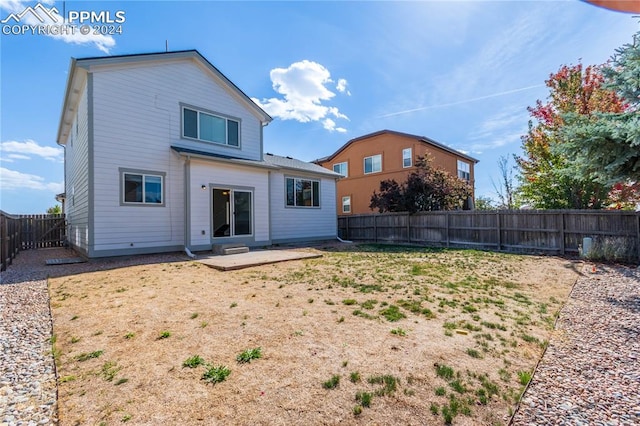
x: 529, y: 231
x: 24, y: 232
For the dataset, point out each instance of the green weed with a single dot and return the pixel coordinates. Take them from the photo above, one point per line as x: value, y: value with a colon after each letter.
x: 216, y: 374
x: 332, y: 383
x: 90, y: 355
x: 193, y: 361
x: 249, y: 354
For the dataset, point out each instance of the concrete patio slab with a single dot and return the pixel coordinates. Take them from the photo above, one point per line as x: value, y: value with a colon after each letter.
x: 254, y: 258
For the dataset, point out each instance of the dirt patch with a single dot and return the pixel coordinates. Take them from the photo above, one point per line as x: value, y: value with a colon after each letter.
x: 429, y: 335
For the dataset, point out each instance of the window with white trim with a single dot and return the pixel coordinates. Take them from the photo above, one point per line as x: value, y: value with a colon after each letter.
x: 373, y: 164
x: 406, y: 158
x: 209, y: 127
x: 346, y: 204
x: 302, y: 192
x: 464, y: 171
x: 341, y: 168
x: 145, y: 188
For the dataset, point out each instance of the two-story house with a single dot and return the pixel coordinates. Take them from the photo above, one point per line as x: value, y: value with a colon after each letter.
x: 163, y: 152
x: 367, y: 160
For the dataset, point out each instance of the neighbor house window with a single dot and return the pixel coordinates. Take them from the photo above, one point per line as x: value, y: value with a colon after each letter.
x: 209, y: 127
x: 145, y: 188
x: 302, y: 192
x: 406, y: 157
x: 341, y: 169
x: 463, y: 171
x: 346, y: 204
x: 373, y: 164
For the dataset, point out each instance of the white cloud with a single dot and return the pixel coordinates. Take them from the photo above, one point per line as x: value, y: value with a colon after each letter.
x: 342, y: 86
x: 330, y: 125
x: 23, y: 150
x: 11, y: 179
x: 303, y: 89
x: 102, y: 42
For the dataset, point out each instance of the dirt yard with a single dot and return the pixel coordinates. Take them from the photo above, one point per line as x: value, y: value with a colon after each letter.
x: 366, y: 334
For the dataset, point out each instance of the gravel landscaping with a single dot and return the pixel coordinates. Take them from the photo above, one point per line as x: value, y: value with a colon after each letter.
x: 590, y: 373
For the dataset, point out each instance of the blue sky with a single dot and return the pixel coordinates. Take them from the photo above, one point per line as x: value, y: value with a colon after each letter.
x: 459, y: 72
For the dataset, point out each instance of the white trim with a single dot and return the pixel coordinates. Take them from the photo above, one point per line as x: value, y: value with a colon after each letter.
x: 410, y: 158
x: 346, y: 197
x: 364, y: 164
x: 346, y: 168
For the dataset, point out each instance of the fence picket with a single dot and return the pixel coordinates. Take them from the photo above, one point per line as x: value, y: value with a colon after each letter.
x: 27, y: 232
x: 529, y: 231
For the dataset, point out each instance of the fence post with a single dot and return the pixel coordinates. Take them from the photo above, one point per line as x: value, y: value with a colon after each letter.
x: 408, y: 216
x: 498, y: 230
x: 446, y: 214
x: 638, y: 234
x: 375, y: 228
x: 562, y: 248
x: 347, y: 236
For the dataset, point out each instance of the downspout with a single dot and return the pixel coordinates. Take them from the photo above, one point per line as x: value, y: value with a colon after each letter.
x: 187, y: 207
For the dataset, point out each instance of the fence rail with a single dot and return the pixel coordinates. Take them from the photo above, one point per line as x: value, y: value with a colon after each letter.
x: 528, y: 231
x: 24, y: 232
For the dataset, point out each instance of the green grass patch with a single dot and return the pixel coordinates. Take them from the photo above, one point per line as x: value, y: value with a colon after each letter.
x: 88, y: 355
x: 444, y: 371
x: 392, y: 313
x: 332, y: 383
x: 249, y: 354
x: 216, y: 374
x: 193, y: 362
x: 364, y: 398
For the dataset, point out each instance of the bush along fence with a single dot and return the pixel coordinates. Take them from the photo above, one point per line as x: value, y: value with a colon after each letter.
x: 615, y: 234
x: 24, y: 232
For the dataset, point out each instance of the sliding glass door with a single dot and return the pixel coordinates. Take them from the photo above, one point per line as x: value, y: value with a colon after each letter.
x: 232, y: 212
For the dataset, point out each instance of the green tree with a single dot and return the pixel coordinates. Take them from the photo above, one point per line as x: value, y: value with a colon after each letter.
x: 605, y: 147
x: 547, y: 178
x: 484, y: 203
x: 427, y: 188
x: 55, y: 209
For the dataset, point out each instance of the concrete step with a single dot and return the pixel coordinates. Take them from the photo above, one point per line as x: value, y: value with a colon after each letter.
x: 235, y: 250
x: 230, y: 248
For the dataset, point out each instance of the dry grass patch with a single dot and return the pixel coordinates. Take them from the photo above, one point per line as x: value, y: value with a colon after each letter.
x: 464, y: 326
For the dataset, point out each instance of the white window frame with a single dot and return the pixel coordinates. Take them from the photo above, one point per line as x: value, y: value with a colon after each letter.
x: 346, y: 202
x: 406, y: 157
x: 341, y: 165
x: 144, y: 174
x: 464, y: 170
x: 364, y: 164
x: 226, y: 119
x: 295, y: 198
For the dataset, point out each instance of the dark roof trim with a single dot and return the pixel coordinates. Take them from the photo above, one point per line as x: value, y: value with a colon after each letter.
x: 408, y: 135
x: 188, y: 152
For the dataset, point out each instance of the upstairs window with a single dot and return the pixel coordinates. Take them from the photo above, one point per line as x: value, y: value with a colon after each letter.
x: 210, y: 128
x: 464, y: 171
x: 341, y: 169
x: 302, y: 192
x: 373, y: 164
x: 406, y: 158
